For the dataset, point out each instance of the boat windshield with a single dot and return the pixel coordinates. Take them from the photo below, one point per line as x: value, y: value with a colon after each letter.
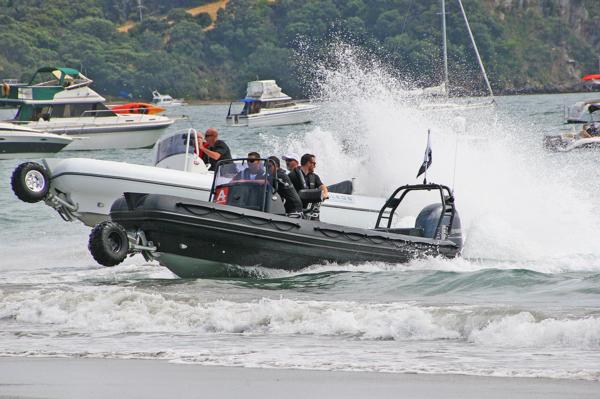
x: 173, y: 145
x: 242, y: 170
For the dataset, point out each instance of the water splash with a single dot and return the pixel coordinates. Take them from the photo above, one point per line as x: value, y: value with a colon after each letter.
x: 516, y: 203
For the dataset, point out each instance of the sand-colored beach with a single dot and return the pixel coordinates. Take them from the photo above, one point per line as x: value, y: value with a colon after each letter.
x: 108, y: 378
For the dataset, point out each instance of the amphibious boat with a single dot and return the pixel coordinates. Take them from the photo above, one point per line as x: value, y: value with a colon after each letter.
x: 243, y: 224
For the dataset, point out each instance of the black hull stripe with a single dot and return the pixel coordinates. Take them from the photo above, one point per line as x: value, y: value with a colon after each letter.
x: 30, y: 147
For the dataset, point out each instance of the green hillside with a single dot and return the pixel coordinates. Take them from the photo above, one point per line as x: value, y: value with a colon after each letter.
x: 543, y: 46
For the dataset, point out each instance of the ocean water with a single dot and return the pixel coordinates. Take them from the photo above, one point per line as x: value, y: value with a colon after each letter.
x: 523, y: 300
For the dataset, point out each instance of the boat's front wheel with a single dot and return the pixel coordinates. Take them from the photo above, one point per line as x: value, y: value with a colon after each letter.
x: 30, y: 182
x: 109, y: 243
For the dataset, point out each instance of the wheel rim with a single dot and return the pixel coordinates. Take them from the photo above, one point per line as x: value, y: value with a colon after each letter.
x: 115, y: 242
x: 35, y: 181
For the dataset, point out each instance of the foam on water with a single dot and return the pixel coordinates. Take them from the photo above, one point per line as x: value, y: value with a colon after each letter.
x: 124, y: 309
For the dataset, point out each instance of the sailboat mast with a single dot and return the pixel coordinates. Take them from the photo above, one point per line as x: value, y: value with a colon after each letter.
x: 487, y: 82
x: 445, y: 45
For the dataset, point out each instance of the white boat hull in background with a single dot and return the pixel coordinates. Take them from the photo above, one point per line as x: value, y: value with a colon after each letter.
x: 120, y: 132
x: 21, y: 143
x: 89, y: 187
x: 301, y: 113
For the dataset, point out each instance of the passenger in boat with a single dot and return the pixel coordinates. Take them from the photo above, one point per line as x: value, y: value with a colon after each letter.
x: 304, y: 176
x: 213, y: 149
x: 285, y: 189
x: 589, y: 130
x: 292, y: 161
x: 254, y: 171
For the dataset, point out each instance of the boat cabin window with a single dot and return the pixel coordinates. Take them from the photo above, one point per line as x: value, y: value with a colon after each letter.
x: 278, y: 104
x: 173, y: 145
x: 29, y: 112
x: 251, y: 107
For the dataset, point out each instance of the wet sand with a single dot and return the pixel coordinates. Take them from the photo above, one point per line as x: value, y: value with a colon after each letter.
x: 104, y: 378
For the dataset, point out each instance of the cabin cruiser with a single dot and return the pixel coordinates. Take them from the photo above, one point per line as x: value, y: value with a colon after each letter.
x: 17, y: 142
x: 165, y: 100
x: 83, y: 189
x: 266, y: 105
x: 586, y: 138
x: 243, y: 224
x: 59, y: 100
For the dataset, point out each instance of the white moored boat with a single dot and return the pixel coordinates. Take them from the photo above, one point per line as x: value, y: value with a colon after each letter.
x: 59, y: 100
x: 165, y: 100
x: 84, y: 189
x: 17, y: 142
x: 266, y: 105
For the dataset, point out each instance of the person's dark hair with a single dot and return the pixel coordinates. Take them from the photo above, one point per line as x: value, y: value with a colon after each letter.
x: 253, y: 154
x: 275, y: 160
x: 306, y: 158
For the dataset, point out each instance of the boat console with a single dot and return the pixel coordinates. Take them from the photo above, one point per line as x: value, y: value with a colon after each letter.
x: 246, y: 183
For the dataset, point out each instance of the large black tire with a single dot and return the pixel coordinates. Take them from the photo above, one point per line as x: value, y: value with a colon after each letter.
x: 108, y: 243
x: 30, y: 182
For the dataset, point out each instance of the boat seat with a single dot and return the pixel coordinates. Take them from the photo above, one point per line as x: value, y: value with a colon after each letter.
x: 343, y: 187
x: 407, y: 231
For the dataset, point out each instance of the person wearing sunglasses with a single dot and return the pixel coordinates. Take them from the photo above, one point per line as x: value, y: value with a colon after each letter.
x: 255, y: 169
x: 213, y: 149
x: 304, y: 176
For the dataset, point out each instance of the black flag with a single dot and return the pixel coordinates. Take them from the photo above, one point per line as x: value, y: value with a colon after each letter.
x: 427, y: 159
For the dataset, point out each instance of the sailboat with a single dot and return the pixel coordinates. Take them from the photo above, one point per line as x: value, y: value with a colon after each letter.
x: 442, y: 89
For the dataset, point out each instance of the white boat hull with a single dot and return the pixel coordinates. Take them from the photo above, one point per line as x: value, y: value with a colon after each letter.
x: 91, y: 186
x: 22, y: 144
x: 591, y: 142
x: 296, y: 115
x: 120, y: 132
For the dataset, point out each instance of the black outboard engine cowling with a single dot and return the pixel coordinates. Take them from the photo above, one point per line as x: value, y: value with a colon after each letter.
x: 428, y: 219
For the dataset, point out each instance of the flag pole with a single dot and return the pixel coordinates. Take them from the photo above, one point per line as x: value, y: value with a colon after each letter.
x: 426, y: 166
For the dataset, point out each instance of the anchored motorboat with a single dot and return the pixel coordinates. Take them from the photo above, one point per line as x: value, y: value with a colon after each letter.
x: 166, y: 101
x: 84, y: 189
x: 243, y: 224
x: 17, y: 142
x: 586, y: 138
x: 266, y: 105
x: 59, y: 100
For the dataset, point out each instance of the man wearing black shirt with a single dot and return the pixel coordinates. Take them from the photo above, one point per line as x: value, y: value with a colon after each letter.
x: 285, y: 189
x: 304, y: 176
x: 213, y: 149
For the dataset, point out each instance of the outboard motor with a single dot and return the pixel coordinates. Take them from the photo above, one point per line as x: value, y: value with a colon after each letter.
x: 428, y: 219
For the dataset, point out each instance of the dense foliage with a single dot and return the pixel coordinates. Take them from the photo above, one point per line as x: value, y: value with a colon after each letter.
x: 187, y: 55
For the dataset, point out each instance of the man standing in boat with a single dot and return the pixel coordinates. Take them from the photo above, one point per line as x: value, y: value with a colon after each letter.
x: 213, y: 149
